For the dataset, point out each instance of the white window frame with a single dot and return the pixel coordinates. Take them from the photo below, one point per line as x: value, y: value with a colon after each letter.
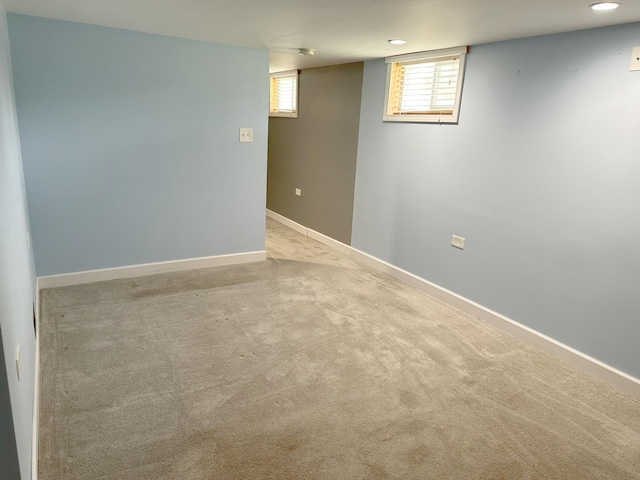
x: 276, y: 76
x: 426, y: 57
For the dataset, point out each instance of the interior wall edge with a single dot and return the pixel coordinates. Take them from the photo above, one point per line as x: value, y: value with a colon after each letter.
x: 575, y: 358
x: 35, y: 431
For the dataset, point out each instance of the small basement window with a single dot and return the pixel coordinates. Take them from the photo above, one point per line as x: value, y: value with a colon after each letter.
x: 283, y: 94
x: 425, y: 87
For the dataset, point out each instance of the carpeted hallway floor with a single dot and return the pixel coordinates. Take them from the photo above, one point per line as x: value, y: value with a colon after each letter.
x: 308, y: 366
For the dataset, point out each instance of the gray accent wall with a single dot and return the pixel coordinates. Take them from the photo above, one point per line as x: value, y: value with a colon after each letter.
x: 131, y: 145
x: 542, y: 178
x: 316, y: 152
x: 17, y: 286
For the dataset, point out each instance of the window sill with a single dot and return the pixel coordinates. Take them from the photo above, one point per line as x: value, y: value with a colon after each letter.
x: 421, y: 118
x: 283, y: 114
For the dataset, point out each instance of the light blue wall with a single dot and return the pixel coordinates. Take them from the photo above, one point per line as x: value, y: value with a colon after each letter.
x: 130, y: 145
x: 542, y: 178
x: 17, y: 273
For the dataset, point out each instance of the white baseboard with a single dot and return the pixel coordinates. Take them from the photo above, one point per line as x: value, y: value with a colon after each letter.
x: 565, y: 353
x: 131, y: 271
x: 307, y: 232
x: 289, y: 223
x: 331, y: 242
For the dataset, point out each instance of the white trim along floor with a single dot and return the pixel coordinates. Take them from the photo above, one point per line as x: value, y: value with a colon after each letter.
x: 567, y: 354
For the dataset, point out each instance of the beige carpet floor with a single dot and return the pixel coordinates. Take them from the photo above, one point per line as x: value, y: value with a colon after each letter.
x: 309, y: 366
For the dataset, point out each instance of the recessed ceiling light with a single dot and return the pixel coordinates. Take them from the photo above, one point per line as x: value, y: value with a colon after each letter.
x: 306, y: 51
x: 605, y: 5
x: 397, y: 41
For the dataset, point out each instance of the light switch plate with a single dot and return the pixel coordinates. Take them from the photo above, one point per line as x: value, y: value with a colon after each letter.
x: 635, y: 60
x: 246, y: 135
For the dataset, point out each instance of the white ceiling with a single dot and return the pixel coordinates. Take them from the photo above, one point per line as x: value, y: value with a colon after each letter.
x: 340, y: 31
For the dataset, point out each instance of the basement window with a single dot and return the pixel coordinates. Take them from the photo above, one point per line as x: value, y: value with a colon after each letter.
x: 283, y: 94
x: 425, y: 87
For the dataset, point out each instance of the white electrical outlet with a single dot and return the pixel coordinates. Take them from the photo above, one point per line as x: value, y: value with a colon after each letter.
x: 18, y: 362
x: 298, y: 192
x: 457, y: 242
x: 246, y: 135
x: 635, y: 60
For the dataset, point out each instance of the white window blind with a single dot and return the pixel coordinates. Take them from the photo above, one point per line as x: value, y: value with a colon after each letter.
x: 284, y: 94
x: 425, y: 87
